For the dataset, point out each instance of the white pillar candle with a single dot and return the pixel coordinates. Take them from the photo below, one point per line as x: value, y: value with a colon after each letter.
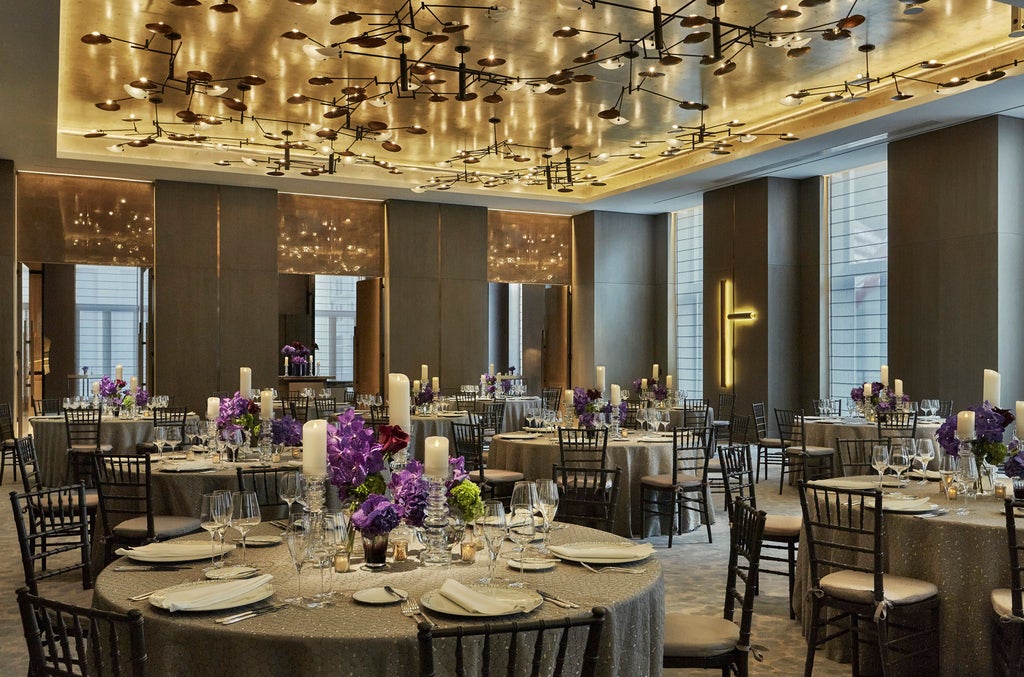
x: 884, y: 374
x: 119, y: 373
x: 490, y: 369
x: 991, y: 390
x: 643, y: 384
x: 95, y: 387
x: 244, y: 381
x: 435, y: 384
x: 567, y: 398
x: 286, y: 364
x: 398, y: 401
x: 965, y: 425
x: 314, y: 448
x: 266, y: 404
x: 668, y: 382
x: 899, y: 387
x: 654, y: 373
x: 616, y: 395
x: 416, y: 385
x: 600, y: 377
x: 435, y: 457
x: 212, y: 408
x: 423, y: 373
x: 867, y: 390
x: 1020, y: 420
x: 133, y: 384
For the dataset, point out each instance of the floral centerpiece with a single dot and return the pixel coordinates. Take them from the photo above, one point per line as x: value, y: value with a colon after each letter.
x: 588, y: 404
x: 990, y: 424
x: 136, y: 398
x: 490, y: 383
x: 113, y: 391
x: 286, y: 431
x: 425, y: 395
x: 881, y: 400
x: 506, y: 385
x: 238, y: 413
x: 659, y: 391
x: 298, y: 355
x: 410, y: 487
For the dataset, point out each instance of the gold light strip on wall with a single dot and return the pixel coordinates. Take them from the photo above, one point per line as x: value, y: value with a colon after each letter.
x: 727, y: 317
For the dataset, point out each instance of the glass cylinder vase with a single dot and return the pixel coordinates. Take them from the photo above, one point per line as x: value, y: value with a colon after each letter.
x: 375, y: 550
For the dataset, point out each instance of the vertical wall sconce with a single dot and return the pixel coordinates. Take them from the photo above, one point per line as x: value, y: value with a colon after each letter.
x: 727, y: 317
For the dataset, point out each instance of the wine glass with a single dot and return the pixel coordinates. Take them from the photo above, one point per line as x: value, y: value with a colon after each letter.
x: 492, y: 526
x: 965, y: 480
x: 547, y: 500
x: 245, y: 514
x: 172, y: 437
x: 222, y: 516
x: 290, y: 487
x: 521, y: 525
x: 159, y: 439
x: 297, y: 538
x: 900, y: 459
x: 947, y: 471
x: 209, y: 523
x: 925, y: 454
x: 880, y: 460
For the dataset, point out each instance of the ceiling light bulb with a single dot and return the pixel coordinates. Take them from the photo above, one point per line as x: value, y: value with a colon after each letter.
x: 379, y: 102
x: 115, y: 149
x: 249, y: 162
x: 216, y: 90
x: 673, y: 143
x: 135, y: 92
x: 790, y: 100
x: 612, y: 64
x: 746, y: 138
x: 418, y: 189
x: 619, y: 120
x: 542, y: 88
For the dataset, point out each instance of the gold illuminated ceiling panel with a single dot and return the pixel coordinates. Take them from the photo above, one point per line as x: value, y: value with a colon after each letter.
x: 573, y: 99
x: 528, y: 248
x: 329, y: 236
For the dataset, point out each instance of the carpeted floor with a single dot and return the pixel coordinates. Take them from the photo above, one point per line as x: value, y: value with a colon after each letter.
x: 694, y: 576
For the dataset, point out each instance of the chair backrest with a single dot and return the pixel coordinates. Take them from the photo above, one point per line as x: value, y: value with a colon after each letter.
x: 325, y: 406
x: 583, y: 447
x: 692, y: 449
x: 466, y: 401
x: 47, y: 406
x: 51, y: 522
x: 791, y: 427
x: 469, y: 443
x: 632, y: 409
x: 171, y: 417
x: 551, y: 397
x: 30, y: 479
x: 379, y: 415
x: 83, y: 426
x: 123, y: 486
x: 843, y: 528
x: 855, y: 455
x: 695, y: 413
x: 897, y: 423
x: 739, y: 424
x: 746, y: 534
x: 266, y: 483
x: 513, y: 647
x: 945, y: 408
x: 760, y: 419
x: 587, y: 495
x: 737, y: 476
x: 6, y: 423
x: 66, y: 640
x: 726, y: 406
x: 1011, y: 507
x: 295, y: 405
x: 492, y: 415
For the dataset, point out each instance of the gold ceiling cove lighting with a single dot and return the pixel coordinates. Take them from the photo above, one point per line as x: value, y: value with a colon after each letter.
x: 728, y: 317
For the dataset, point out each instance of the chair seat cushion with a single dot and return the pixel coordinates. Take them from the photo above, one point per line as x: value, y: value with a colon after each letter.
x: 769, y: 442
x: 499, y: 476
x: 104, y: 448
x: 165, y: 526
x: 810, y: 450
x: 783, y: 525
x: 1002, y: 601
x: 858, y: 586
x: 699, y: 636
x: 92, y: 502
x: 664, y: 481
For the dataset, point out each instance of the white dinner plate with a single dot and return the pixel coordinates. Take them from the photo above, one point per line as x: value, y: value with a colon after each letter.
x: 193, y: 556
x: 170, y: 467
x: 533, y: 564
x: 913, y: 509
x: 261, y: 541
x: 452, y: 414
x: 626, y: 559
x: 527, y: 599
x: 520, y: 436
x: 230, y: 573
x: 379, y: 596
x: 159, y: 599
x: 933, y: 475
x: 654, y: 439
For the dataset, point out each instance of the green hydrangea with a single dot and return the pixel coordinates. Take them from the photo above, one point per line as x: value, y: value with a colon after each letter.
x: 374, y: 484
x: 464, y: 499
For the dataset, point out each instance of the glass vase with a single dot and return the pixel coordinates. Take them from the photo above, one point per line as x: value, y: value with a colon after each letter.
x: 375, y: 550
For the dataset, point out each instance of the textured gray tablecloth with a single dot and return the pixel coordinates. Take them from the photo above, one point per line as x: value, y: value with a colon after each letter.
x: 824, y: 433
x: 965, y: 556
x: 535, y: 457
x: 433, y: 426
x: 370, y: 641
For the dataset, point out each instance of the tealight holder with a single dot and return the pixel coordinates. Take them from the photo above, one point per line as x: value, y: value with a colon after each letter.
x: 437, y: 550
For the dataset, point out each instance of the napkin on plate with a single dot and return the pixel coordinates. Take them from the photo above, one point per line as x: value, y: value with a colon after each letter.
x: 189, y: 466
x: 201, y: 596
x: 653, y: 438
x: 901, y: 502
x: 599, y: 551
x: 184, y: 550
x: 475, y: 602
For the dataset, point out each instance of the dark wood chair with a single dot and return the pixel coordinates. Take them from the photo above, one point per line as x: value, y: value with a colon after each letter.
x: 517, y: 647
x: 583, y: 447
x: 8, y: 448
x: 835, y: 406
x: 718, y: 642
x: 897, y: 424
x: 49, y: 406
x: 695, y: 413
x: 769, y: 449
x: 296, y: 406
x: 588, y: 495
x: 687, y: 484
x: 325, y: 406
x: 945, y: 408
x: 491, y: 415
x: 266, y: 483
x: 632, y: 409
x: 51, y: 522
x: 379, y: 415
x: 469, y: 443
x: 551, y: 398
x: 1008, y: 604
x: 781, y: 532
x: 794, y: 445
x: 896, y: 616
x: 126, y: 505
x: 724, y: 413
x: 84, y: 428
x: 68, y: 640
x: 31, y: 477
x: 854, y: 455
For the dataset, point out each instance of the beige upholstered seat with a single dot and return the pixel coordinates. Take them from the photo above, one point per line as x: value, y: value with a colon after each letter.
x: 859, y: 586
x: 166, y: 526
x: 692, y: 635
x: 664, y: 481
x: 1002, y: 601
x: 496, y: 475
x: 782, y: 525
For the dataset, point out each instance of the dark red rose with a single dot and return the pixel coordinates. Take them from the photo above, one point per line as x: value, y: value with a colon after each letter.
x: 391, y: 438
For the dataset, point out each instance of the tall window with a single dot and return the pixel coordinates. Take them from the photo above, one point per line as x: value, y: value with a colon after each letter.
x: 334, y: 325
x: 690, y: 300
x: 515, y: 327
x: 858, y: 273
x: 111, y: 309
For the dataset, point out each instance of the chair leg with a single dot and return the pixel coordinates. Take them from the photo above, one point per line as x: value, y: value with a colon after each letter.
x: 791, y: 556
x: 783, y: 467
x: 812, y: 637
x: 706, y: 516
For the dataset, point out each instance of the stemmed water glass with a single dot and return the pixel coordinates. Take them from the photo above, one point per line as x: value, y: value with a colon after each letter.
x: 160, y: 439
x: 208, y: 522
x: 245, y: 514
x: 880, y: 460
x: 290, y: 487
x: 492, y: 526
x: 297, y: 538
x: 521, y: 525
x: 929, y: 407
x: 900, y: 459
x: 172, y: 437
x: 947, y: 471
x: 925, y: 454
x: 547, y: 501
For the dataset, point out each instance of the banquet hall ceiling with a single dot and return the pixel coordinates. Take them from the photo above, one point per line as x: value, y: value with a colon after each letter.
x: 626, y: 94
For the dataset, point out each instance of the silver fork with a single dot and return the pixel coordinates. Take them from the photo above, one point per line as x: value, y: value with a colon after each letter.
x: 620, y: 570
x: 411, y: 610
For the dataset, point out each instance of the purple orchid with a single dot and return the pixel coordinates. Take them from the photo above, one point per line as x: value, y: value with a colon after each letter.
x: 286, y: 431
x: 377, y: 515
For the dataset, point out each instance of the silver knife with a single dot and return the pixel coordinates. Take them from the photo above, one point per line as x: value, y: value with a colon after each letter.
x: 228, y: 620
x: 564, y: 603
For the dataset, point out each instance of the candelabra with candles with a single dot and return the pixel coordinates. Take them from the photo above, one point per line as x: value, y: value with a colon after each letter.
x: 437, y: 550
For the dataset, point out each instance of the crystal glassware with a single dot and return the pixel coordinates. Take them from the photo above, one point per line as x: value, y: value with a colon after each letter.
x: 491, y: 527
x: 547, y: 501
x: 925, y: 454
x: 880, y: 460
x: 297, y: 538
x: 245, y: 514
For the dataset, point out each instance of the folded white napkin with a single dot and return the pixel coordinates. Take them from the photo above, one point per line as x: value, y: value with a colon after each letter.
x: 189, y: 466
x: 201, y: 596
x: 654, y: 438
x: 904, y: 502
x: 599, y: 551
x: 473, y: 601
x: 170, y: 550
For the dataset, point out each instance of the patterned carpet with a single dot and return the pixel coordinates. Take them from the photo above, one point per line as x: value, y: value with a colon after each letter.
x: 694, y: 575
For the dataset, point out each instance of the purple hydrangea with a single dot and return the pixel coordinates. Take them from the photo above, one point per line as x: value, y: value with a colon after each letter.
x: 990, y: 424
x: 353, y: 454
x: 1014, y: 466
x: 425, y: 395
x: 377, y: 515
x: 286, y: 431
x: 410, y: 488
x: 141, y: 397
x: 236, y: 413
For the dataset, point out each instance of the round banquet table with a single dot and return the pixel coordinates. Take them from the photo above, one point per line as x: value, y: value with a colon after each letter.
x: 348, y: 638
x: 823, y: 432
x: 964, y: 555
x: 51, y: 441
x: 534, y: 458
x: 433, y: 426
